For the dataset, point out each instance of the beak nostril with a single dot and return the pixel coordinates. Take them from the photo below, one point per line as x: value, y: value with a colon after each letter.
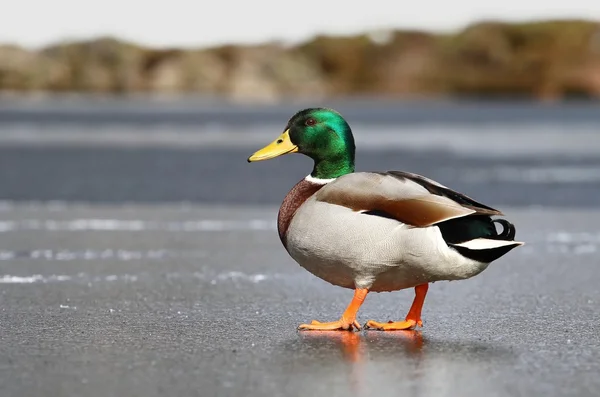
x: 280, y: 141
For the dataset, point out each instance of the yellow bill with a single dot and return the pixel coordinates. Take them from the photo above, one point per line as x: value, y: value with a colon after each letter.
x: 280, y: 146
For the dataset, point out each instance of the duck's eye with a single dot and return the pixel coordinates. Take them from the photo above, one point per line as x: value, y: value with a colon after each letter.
x: 310, y: 122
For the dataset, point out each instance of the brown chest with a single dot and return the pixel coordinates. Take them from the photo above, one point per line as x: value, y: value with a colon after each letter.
x: 292, y: 201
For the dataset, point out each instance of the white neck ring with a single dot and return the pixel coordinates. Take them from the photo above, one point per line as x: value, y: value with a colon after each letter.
x: 318, y: 181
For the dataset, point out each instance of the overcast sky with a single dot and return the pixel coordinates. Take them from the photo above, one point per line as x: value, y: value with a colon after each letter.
x: 34, y: 23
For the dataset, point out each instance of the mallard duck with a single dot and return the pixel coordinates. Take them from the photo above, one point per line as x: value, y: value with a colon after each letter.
x: 376, y: 231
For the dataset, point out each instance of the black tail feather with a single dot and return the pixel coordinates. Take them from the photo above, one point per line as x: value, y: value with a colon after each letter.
x: 473, y: 227
x: 459, y: 230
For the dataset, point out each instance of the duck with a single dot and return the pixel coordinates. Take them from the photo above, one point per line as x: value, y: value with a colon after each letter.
x: 377, y: 231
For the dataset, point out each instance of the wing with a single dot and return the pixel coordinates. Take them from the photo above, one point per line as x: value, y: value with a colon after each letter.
x: 407, y: 197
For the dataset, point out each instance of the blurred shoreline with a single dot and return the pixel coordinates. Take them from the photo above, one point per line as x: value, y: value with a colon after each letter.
x: 547, y: 60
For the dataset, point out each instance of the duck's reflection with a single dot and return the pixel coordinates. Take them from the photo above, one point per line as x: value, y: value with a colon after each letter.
x: 354, y: 346
x: 357, y: 349
x: 364, y: 362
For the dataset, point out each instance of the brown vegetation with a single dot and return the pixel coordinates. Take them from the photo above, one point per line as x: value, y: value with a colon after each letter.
x: 547, y: 60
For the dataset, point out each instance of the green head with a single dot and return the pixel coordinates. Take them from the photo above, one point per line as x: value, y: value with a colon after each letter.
x: 319, y: 133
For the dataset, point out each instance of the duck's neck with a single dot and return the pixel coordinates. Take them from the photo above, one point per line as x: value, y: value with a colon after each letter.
x: 331, y: 168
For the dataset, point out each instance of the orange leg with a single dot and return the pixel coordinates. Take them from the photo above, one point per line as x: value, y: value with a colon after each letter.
x: 348, y: 320
x: 413, y: 318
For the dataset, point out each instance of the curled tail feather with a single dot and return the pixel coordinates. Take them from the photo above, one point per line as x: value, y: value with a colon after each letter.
x: 508, y: 230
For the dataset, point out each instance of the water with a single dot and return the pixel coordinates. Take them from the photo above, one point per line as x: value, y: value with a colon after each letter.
x: 138, y: 253
x: 156, y: 151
